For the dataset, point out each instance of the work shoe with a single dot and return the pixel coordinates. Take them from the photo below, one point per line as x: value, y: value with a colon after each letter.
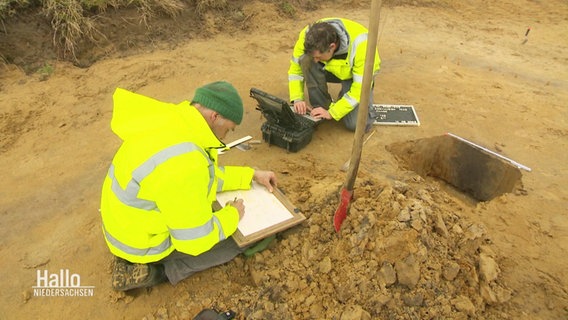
x: 127, y: 276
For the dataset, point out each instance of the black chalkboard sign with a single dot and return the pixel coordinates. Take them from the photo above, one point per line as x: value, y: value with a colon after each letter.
x: 394, y: 115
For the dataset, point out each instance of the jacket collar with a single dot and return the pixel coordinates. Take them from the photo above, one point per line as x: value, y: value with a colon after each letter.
x: 198, y: 129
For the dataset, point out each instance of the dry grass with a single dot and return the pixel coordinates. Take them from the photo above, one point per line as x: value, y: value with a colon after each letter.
x: 150, y: 8
x: 201, y: 6
x: 10, y: 7
x: 69, y: 25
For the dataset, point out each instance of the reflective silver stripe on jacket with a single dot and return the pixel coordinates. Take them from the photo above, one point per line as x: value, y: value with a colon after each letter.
x: 220, y: 182
x: 129, y: 196
x: 293, y: 77
x: 357, y: 78
x: 136, y: 251
x: 360, y: 38
x: 352, y: 102
x: 198, y: 232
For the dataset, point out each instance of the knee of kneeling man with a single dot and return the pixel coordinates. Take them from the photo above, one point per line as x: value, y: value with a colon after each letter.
x: 349, y: 125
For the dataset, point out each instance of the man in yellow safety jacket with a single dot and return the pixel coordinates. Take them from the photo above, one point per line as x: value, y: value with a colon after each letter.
x: 157, y: 197
x: 330, y: 50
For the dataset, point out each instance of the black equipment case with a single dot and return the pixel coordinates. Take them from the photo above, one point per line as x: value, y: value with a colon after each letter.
x: 283, y: 127
x: 291, y: 140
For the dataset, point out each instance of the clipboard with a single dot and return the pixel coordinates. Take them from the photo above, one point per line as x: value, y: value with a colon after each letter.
x: 265, y: 213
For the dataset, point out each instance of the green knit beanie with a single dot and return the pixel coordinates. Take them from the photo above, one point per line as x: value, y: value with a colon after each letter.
x: 222, y: 97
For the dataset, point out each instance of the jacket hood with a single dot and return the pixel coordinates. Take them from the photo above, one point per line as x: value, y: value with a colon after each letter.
x: 343, y: 36
x: 137, y: 117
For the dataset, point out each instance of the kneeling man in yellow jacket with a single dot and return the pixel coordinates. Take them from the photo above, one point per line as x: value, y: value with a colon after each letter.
x: 156, y: 202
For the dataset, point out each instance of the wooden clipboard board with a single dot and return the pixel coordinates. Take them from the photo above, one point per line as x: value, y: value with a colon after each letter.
x: 296, y: 218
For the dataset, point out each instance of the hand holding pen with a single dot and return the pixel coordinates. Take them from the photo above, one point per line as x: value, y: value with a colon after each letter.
x: 239, y: 205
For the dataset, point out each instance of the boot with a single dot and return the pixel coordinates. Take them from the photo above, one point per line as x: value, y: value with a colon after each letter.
x: 127, y: 276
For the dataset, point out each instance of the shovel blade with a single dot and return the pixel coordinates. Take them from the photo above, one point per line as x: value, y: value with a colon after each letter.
x: 341, y: 212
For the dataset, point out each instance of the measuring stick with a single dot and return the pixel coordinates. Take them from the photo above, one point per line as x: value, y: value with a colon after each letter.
x: 518, y: 165
x: 234, y: 143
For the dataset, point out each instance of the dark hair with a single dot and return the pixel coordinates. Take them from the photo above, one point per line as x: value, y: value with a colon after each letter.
x: 319, y: 36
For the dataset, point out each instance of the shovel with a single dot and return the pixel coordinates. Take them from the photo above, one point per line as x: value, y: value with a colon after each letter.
x: 347, y: 190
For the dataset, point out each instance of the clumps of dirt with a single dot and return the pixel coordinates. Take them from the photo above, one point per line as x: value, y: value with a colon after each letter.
x: 405, y: 251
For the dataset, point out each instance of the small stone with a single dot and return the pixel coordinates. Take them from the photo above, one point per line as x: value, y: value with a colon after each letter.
x: 256, y: 276
x: 325, y: 265
x: 404, y: 215
x: 413, y: 300
x: 316, y: 310
x: 315, y: 229
x: 425, y: 196
x: 408, y: 271
x: 309, y: 300
x: 417, y: 225
x: 457, y: 229
x: 388, y: 274
x: 383, y: 299
x: 488, y: 251
x: 503, y: 294
x: 355, y: 313
x: 451, y: 270
x: 487, y: 293
x: 440, y: 226
x: 474, y: 231
x: 26, y: 295
x: 488, y: 268
x: 400, y: 187
x: 463, y: 304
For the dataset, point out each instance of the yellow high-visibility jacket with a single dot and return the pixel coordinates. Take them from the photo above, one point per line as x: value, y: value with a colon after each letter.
x: 348, y: 62
x: 158, y: 192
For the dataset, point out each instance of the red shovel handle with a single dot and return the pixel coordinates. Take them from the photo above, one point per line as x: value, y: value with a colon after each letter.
x: 341, y: 212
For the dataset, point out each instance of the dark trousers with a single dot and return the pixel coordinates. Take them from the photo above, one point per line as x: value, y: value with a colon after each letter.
x: 179, y: 266
x: 316, y: 79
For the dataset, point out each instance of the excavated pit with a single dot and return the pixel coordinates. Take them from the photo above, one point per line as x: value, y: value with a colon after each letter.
x: 471, y: 170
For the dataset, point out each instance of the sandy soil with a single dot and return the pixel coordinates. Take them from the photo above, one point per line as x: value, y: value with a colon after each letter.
x: 412, y: 246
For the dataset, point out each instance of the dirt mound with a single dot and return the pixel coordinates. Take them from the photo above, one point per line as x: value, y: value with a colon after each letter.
x: 405, y: 251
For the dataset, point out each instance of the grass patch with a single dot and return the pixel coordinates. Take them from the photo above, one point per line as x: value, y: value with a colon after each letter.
x: 288, y: 9
x: 9, y: 8
x: 148, y: 9
x: 69, y: 25
x: 45, y: 72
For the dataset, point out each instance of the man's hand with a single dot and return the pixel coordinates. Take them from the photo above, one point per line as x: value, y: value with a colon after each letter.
x: 266, y: 178
x: 320, y: 113
x: 239, y: 205
x: 301, y: 107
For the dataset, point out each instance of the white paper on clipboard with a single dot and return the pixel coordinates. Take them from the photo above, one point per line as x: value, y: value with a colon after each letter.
x: 262, y: 208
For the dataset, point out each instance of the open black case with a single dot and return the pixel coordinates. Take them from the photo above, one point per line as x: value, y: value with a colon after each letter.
x: 283, y: 127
